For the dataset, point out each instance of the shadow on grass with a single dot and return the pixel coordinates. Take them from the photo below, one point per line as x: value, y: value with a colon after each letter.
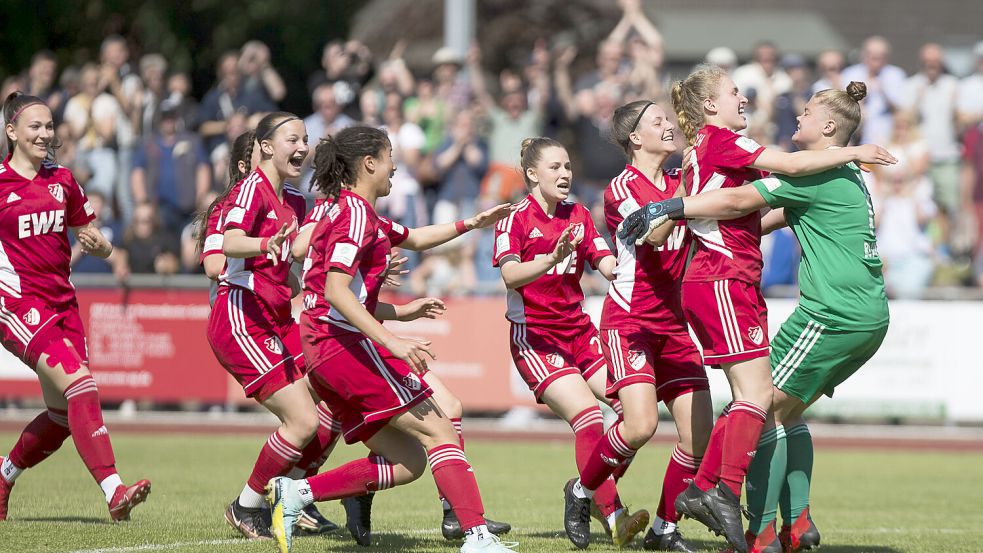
x: 847, y: 548
x: 83, y: 520
x: 382, y: 543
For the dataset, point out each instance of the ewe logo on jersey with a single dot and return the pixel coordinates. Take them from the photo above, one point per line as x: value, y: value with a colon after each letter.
x: 756, y: 335
x: 674, y: 241
x: 32, y: 317
x: 34, y: 224
x: 274, y: 345
x: 57, y: 192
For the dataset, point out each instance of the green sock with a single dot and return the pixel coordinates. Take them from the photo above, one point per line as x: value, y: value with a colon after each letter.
x: 795, y: 494
x: 765, y: 478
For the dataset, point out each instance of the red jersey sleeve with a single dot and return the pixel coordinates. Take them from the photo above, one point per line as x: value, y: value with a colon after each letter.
x: 593, y: 247
x: 346, y: 241
x: 508, y: 240
x: 733, y: 151
x: 396, y: 232
x: 214, y: 238
x: 77, y: 206
x: 243, y: 213
x: 970, y: 140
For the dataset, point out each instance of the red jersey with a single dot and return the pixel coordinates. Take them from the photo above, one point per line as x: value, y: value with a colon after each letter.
x: 395, y: 231
x: 214, y: 237
x: 35, y: 215
x: 645, y: 290
x: 351, y: 238
x: 554, y: 299
x: 253, y: 207
x: 725, y: 249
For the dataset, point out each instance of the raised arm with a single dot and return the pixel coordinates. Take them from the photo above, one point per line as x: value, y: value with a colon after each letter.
x: 810, y: 162
x: 562, y: 81
x: 477, y: 77
x: 424, y: 238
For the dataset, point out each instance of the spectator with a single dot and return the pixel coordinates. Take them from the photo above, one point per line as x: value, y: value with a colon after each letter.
x: 972, y: 181
x: 147, y: 247
x: 461, y: 163
x: 885, y: 86
x: 644, y: 78
x: 763, y: 80
x: 405, y: 200
x: 789, y: 105
x: 830, y: 65
x: 190, y: 256
x: 723, y: 57
x: 450, y: 85
x: 970, y: 103
x: 40, y: 82
x: 346, y: 67
x: 428, y: 111
x: 609, y: 62
x: 260, y: 78
x: 930, y: 96
x: 393, y: 75
x: 171, y: 171
x: 153, y: 70
x: 903, y: 211
x: 327, y: 119
x: 219, y: 157
x: 225, y: 98
x: 179, y: 95
x: 111, y: 229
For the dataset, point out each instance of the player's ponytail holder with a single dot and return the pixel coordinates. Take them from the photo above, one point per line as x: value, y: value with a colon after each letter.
x: 461, y: 227
x: 264, y: 245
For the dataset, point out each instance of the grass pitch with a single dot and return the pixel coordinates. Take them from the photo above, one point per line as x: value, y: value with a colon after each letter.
x: 879, y: 501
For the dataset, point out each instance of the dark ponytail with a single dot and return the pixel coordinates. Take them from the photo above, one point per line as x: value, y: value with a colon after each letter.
x: 242, y: 150
x: 13, y: 105
x: 336, y: 157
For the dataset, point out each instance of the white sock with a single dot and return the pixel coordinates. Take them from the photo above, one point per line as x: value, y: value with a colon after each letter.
x: 613, y: 518
x: 109, y: 485
x: 477, y: 533
x: 580, y: 492
x: 296, y: 473
x: 304, y: 489
x: 250, y: 499
x: 444, y: 504
x: 9, y: 471
x: 660, y: 527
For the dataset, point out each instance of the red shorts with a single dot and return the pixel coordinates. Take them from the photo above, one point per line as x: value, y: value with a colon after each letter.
x: 668, y: 361
x: 30, y: 325
x: 543, y: 355
x: 261, y: 353
x: 363, y: 384
x: 730, y: 319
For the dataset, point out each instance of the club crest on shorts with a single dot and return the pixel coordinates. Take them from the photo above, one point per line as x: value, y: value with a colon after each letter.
x: 555, y: 359
x: 412, y: 382
x: 32, y: 317
x: 274, y: 345
x: 57, y: 192
x: 636, y: 359
x: 756, y: 335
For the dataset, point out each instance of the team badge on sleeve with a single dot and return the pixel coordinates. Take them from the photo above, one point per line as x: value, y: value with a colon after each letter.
x: 344, y: 254
x: 747, y: 144
x: 502, y: 243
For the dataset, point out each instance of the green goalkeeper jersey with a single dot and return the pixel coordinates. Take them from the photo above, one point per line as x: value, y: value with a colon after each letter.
x: 831, y: 214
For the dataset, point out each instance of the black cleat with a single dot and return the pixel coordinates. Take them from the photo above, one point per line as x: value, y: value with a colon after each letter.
x: 689, y: 503
x: 358, y: 510
x: 672, y: 541
x: 311, y: 521
x: 576, y: 516
x: 801, y: 535
x: 726, y: 509
x: 451, y: 529
x: 249, y: 522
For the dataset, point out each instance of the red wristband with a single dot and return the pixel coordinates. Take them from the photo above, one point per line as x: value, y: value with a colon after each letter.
x: 461, y: 227
x: 264, y: 245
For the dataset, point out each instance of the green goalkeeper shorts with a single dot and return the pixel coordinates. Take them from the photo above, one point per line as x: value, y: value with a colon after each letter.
x: 807, y: 358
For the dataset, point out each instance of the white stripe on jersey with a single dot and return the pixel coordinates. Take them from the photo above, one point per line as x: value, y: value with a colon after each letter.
x: 526, y: 351
x: 401, y: 392
x: 247, y: 190
x: 357, y: 221
x: 505, y: 225
x: 16, y: 327
x: 9, y: 280
x: 619, y: 185
x: 241, y: 334
x: 728, y: 319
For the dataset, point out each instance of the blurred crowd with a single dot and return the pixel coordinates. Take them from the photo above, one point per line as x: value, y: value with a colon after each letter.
x: 150, y: 151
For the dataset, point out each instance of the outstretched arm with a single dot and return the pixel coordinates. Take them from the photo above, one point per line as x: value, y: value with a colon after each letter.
x: 424, y: 238
x: 810, y: 162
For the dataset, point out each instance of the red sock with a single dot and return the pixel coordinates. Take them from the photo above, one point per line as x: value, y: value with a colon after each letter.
x: 88, y: 430
x: 611, y: 451
x: 455, y: 478
x: 276, y: 458
x: 709, y: 472
x: 42, y: 437
x: 361, y: 476
x: 316, y: 453
x: 588, y: 428
x: 740, y: 442
x: 681, y: 469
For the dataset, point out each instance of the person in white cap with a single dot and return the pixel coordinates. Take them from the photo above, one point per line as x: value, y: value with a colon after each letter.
x: 723, y: 57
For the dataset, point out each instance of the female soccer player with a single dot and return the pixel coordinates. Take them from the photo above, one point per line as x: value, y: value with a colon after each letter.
x: 841, y: 319
x: 721, y: 296
x: 250, y: 327
x: 359, y: 509
x: 541, y: 248
x: 648, y: 350
x: 368, y: 376
x: 38, y: 308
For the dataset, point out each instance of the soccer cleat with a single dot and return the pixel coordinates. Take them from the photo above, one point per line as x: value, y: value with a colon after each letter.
x: 726, y: 509
x: 628, y: 525
x: 576, y: 516
x: 286, y: 506
x: 5, y: 489
x: 671, y: 541
x: 766, y: 542
x: 489, y: 544
x: 358, y: 511
x: 126, y: 498
x: 689, y: 503
x: 311, y: 521
x: 249, y: 522
x: 801, y: 535
x: 451, y: 529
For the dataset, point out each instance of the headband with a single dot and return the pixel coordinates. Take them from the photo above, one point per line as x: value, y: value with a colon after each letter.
x: 277, y: 126
x: 639, y: 118
x: 22, y: 108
